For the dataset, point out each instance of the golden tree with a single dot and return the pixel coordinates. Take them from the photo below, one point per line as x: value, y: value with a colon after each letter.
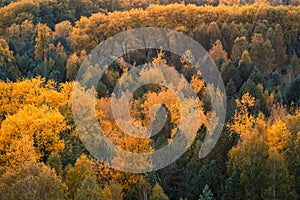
x: 278, y: 135
x: 42, y: 125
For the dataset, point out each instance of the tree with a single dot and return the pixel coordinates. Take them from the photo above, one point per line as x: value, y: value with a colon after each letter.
x: 144, y: 188
x: 261, y: 53
x: 54, y: 162
x: 63, y: 29
x: 201, y: 36
x: 232, y: 188
x: 278, y: 135
x: 7, y: 69
x: 197, y: 84
x: 32, y: 181
x: 6, y: 56
x: 112, y: 5
x: 6, y: 2
x: 36, y: 91
x: 275, y: 2
x: 295, y: 2
x: 206, y: 194
x: 243, y: 120
x: 245, y: 66
x: 250, y: 87
x: 261, y: 27
x: 73, y: 65
x: 249, y: 159
x: 247, y: 30
x: 256, y: 160
x: 245, y: 58
x: 27, y: 31
x: 229, y: 2
x: 229, y: 32
x: 53, y: 12
x: 89, y: 32
x: 158, y: 193
x: 106, y: 193
x: 20, y: 151
x: 213, y: 33
x: 42, y: 41
x: 277, y: 41
x: 293, y: 92
x: 217, y: 52
x: 85, y: 7
x: 256, y: 75
x: 295, y: 67
x: 17, y: 12
x: 42, y: 125
x: 20, y: 33
x: 230, y: 72
x: 116, y: 191
x: 55, y: 67
x: 296, y: 162
x: 239, y: 47
x: 76, y: 175
x: 89, y: 190
x: 231, y: 88
x: 280, y: 182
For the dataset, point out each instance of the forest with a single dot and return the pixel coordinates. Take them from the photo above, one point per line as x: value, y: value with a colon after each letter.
x: 255, y: 45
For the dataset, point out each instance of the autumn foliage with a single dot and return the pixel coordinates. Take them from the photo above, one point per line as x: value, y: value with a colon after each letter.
x: 254, y: 44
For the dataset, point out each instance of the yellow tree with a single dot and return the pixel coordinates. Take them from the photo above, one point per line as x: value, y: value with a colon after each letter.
x: 256, y: 158
x: 63, y: 29
x: 249, y: 158
x: 106, y: 193
x: 197, y: 84
x: 42, y: 125
x: 245, y: 58
x: 20, y: 151
x: 278, y: 135
x: 36, y: 91
x: 123, y: 141
x: 243, y: 121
